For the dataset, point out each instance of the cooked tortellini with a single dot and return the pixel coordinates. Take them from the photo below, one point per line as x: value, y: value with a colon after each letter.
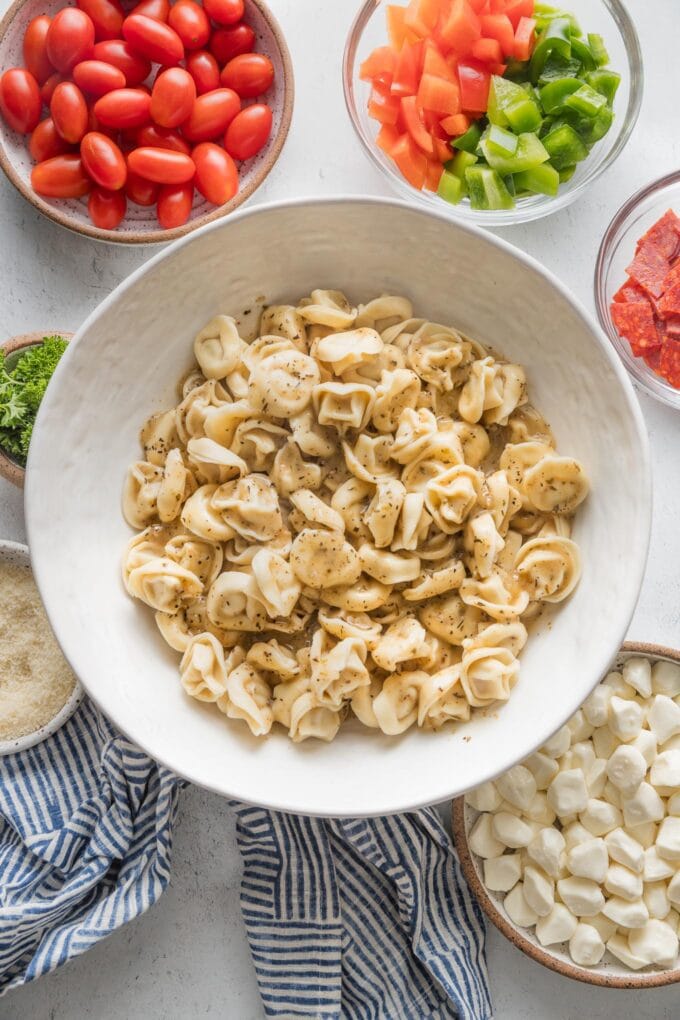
x: 351, y: 516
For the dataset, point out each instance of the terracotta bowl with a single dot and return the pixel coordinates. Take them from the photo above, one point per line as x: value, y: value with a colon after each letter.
x: 609, y: 973
x: 10, y: 469
x: 140, y: 225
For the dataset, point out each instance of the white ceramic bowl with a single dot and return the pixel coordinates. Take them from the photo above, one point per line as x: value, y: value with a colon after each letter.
x: 124, y: 364
x: 14, y: 552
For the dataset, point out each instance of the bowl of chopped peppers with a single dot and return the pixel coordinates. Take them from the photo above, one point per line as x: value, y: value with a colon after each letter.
x: 637, y: 287
x: 499, y: 111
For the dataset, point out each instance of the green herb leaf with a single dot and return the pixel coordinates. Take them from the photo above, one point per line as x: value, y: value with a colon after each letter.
x: 21, y: 391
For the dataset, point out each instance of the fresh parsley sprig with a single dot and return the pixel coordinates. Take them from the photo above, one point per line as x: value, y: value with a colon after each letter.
x: 21, y: 390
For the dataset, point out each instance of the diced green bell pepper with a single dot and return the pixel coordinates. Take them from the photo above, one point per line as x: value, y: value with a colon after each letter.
x: 503, y: 93
x: 586, y: 101
x: 556, y: 67
x: 564, y: 146
x: 555, y: 38
x: 500, y: 141
x: 598, y: 49
x: 592, y: 129
x: 566, y: 174
x: 545, y: 13
x: 554, y: 94
x: 487, y: 189
x: 524, y: 115
x: 460, y: 162
x: 530, y: 153
x: 542, y: 180
x: 509, y: 182
x: 516, y: 70
x: 604, y: 82
x: 451, y: 188
x: 580, y: 50
x: 470, y: 140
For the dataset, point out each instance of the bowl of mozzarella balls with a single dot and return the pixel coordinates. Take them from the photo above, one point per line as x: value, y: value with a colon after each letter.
x: 574, y: 854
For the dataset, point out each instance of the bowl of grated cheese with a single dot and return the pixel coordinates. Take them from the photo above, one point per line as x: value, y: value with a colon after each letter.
x: 38, y: 691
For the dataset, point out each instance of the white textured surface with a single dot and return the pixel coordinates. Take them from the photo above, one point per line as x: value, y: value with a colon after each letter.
x: 188, y: 957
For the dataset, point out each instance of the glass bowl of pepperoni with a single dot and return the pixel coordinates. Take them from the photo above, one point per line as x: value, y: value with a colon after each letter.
x: 637, y: 287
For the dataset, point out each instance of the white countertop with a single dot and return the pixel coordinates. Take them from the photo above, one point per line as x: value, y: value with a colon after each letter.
x: 188, y: 956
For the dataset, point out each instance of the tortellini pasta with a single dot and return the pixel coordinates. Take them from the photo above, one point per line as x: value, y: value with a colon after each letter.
x: 351, y: 516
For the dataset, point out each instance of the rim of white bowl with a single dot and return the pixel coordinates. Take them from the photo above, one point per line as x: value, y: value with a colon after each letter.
x: 446, y: 789
x: 20, y: 551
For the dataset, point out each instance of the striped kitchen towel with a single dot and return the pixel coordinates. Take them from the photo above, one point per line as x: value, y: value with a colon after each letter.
x: 354, y: 919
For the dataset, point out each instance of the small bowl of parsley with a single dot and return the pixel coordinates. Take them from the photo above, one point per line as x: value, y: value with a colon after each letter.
x: 27, y: 363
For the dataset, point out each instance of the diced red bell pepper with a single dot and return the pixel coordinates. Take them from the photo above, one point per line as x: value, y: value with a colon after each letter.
x: 442, y: 149
x: 478, y: 6
x: 433, y: 174
x: 410, y: 160
x: 415, y: 126
x: 455, y: 125
x: 383, y: 108
x: 518, y: 9
x: 397, y: 31
x: 414, y: 21
x: 382, y: 61
x: 525, y: 38
x: 488, y: 51
x: 439, y: 95
x: 430, y: 11
x: 475, y: 80
x: 407, y: 70
x: 434, y: 62
x: 387, y: 138
x: 499, y: 27
x: 460, y: 28
x: 431, y: 121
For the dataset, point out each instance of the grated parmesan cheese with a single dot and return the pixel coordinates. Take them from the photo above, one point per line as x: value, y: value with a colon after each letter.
x: 35, y: 679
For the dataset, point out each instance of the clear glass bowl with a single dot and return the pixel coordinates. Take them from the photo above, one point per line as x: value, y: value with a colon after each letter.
x: 607, y: 17
x: 616, y: 252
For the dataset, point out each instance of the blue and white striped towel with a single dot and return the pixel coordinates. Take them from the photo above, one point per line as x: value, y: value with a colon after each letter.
x: 354, y: 918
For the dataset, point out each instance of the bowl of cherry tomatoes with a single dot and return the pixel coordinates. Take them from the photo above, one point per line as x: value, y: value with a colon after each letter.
x: 139, y: 122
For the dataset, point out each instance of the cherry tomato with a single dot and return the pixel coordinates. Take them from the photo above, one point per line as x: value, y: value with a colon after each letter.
x: 106, y: 208
x: 158, y: 9
x: 46, y: 141
x: 121, y: 55
x: 249, y: 74
x: 124, y: 108
x: 216, y: 173
x: 172, y: 97
x: 140, y: 191
x: 35, y: 48
x: 211, y: 114
x: 248, y: 131
x: 191, y: 23
x: 161, y: 138
x: 20, y: 102
x: 103, y: 161
x: 61, y: 177
x: 69, y: 111
x: 227, y: 43
x: 162, y: 165
x: 174, y: 204
x: 97, y: 78
x: 48, y: 87
x: 70, y: 38
x: 224, y: 12
x: 94, y: 124
x: 106, y: 15
x: 203, y: 68
x: 153, y: 39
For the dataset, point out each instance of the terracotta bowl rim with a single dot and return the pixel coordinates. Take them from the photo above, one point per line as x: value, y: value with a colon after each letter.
x: 592, y: 976
x: 160, y: 236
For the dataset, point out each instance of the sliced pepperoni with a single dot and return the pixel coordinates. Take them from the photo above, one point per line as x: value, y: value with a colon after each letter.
x: 664, y: 235
x: 669, y: 305
x: 649, y: 269
x: 672, y: 327
x: 652, y: 358
x: 669, y: 362
x: 635, y: 321
x: 630, y: 292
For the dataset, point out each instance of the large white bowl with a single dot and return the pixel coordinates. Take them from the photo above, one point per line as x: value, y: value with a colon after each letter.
x: 124, y: 363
